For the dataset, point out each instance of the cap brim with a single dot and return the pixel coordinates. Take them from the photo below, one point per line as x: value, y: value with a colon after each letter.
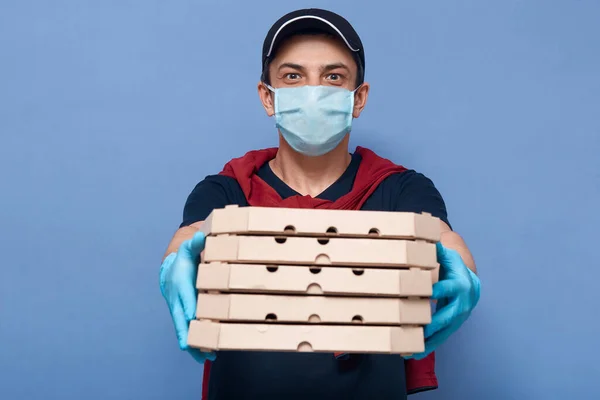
x: 306, y: 23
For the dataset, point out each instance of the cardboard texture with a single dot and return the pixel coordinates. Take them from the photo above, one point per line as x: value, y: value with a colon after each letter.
x: 315, y: 309
x: 311, y: 222
x: 208, y: 335
x: 255, y: 278
x: 314, y: 251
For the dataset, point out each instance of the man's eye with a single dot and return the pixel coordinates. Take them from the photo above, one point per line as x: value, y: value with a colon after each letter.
x: 292, y: 76
x: 334, y: 77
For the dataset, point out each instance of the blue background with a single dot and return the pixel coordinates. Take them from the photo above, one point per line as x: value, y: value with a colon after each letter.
x: 111, y: 111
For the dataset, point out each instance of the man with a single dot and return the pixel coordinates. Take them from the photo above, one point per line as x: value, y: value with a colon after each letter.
x: 313, y: 84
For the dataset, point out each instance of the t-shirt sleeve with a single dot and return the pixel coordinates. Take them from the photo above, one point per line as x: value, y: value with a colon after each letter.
x: 214, y: 191
x: 416, y: 193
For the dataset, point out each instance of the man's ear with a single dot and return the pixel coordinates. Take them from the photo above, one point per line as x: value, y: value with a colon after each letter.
x: 360, y: 99
x: 266, y: 98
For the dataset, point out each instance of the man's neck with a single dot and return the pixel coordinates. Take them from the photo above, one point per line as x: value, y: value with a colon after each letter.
x: 310, y: 175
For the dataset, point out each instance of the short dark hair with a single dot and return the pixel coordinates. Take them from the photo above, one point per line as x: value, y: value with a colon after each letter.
x: 360, y: 71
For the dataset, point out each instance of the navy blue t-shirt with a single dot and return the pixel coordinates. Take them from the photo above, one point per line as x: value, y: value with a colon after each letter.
x: 312, y: 376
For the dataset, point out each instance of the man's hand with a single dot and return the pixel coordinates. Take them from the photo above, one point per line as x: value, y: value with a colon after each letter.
x: 457, y: 293
x: 178, y: 286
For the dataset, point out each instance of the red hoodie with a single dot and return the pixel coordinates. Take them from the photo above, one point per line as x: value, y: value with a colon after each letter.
x: 420, y: 374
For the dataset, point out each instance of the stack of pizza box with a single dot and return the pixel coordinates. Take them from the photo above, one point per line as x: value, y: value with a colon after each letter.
x: 301, y: 280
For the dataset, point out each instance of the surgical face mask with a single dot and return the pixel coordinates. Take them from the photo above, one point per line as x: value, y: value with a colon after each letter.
x: 313, y: 120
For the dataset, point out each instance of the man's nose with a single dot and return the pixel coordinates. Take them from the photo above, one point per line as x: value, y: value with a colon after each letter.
x: 313, y: 78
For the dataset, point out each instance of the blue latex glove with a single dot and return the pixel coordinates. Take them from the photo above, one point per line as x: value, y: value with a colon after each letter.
x: 178, y: 286
x: 457, y: 293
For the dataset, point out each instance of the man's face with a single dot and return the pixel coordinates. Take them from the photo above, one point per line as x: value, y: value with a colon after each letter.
x: 313, y: 60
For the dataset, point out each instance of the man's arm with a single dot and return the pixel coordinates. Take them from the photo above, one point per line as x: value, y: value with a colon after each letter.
x: 457, y: 289
x: 184, y: 233
x: 414, y: 192
x: 453, y: 240
x: 213, y: 192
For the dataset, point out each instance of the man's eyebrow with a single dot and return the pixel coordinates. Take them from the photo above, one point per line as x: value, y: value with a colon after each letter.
x: 330, y: 67
x: 291, y: 65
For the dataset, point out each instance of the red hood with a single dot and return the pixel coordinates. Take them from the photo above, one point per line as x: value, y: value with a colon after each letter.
x: 371, y: 172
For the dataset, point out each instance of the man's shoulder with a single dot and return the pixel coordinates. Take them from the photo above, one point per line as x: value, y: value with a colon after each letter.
x: 214, y: 191
x: 409, y: 183
x: 413, y: 191
x: 216, y: 183
x: 218, y: 179
x: 407, y: 177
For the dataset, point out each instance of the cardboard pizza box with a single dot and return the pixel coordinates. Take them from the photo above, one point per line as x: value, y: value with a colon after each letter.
x: 320, y: 222
x: 319, y: 251
x: 207, y: 335
x: 312, y: 309
x: 256, y: 278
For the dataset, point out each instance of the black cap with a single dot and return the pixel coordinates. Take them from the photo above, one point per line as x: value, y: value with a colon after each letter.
x: 313, y: 20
